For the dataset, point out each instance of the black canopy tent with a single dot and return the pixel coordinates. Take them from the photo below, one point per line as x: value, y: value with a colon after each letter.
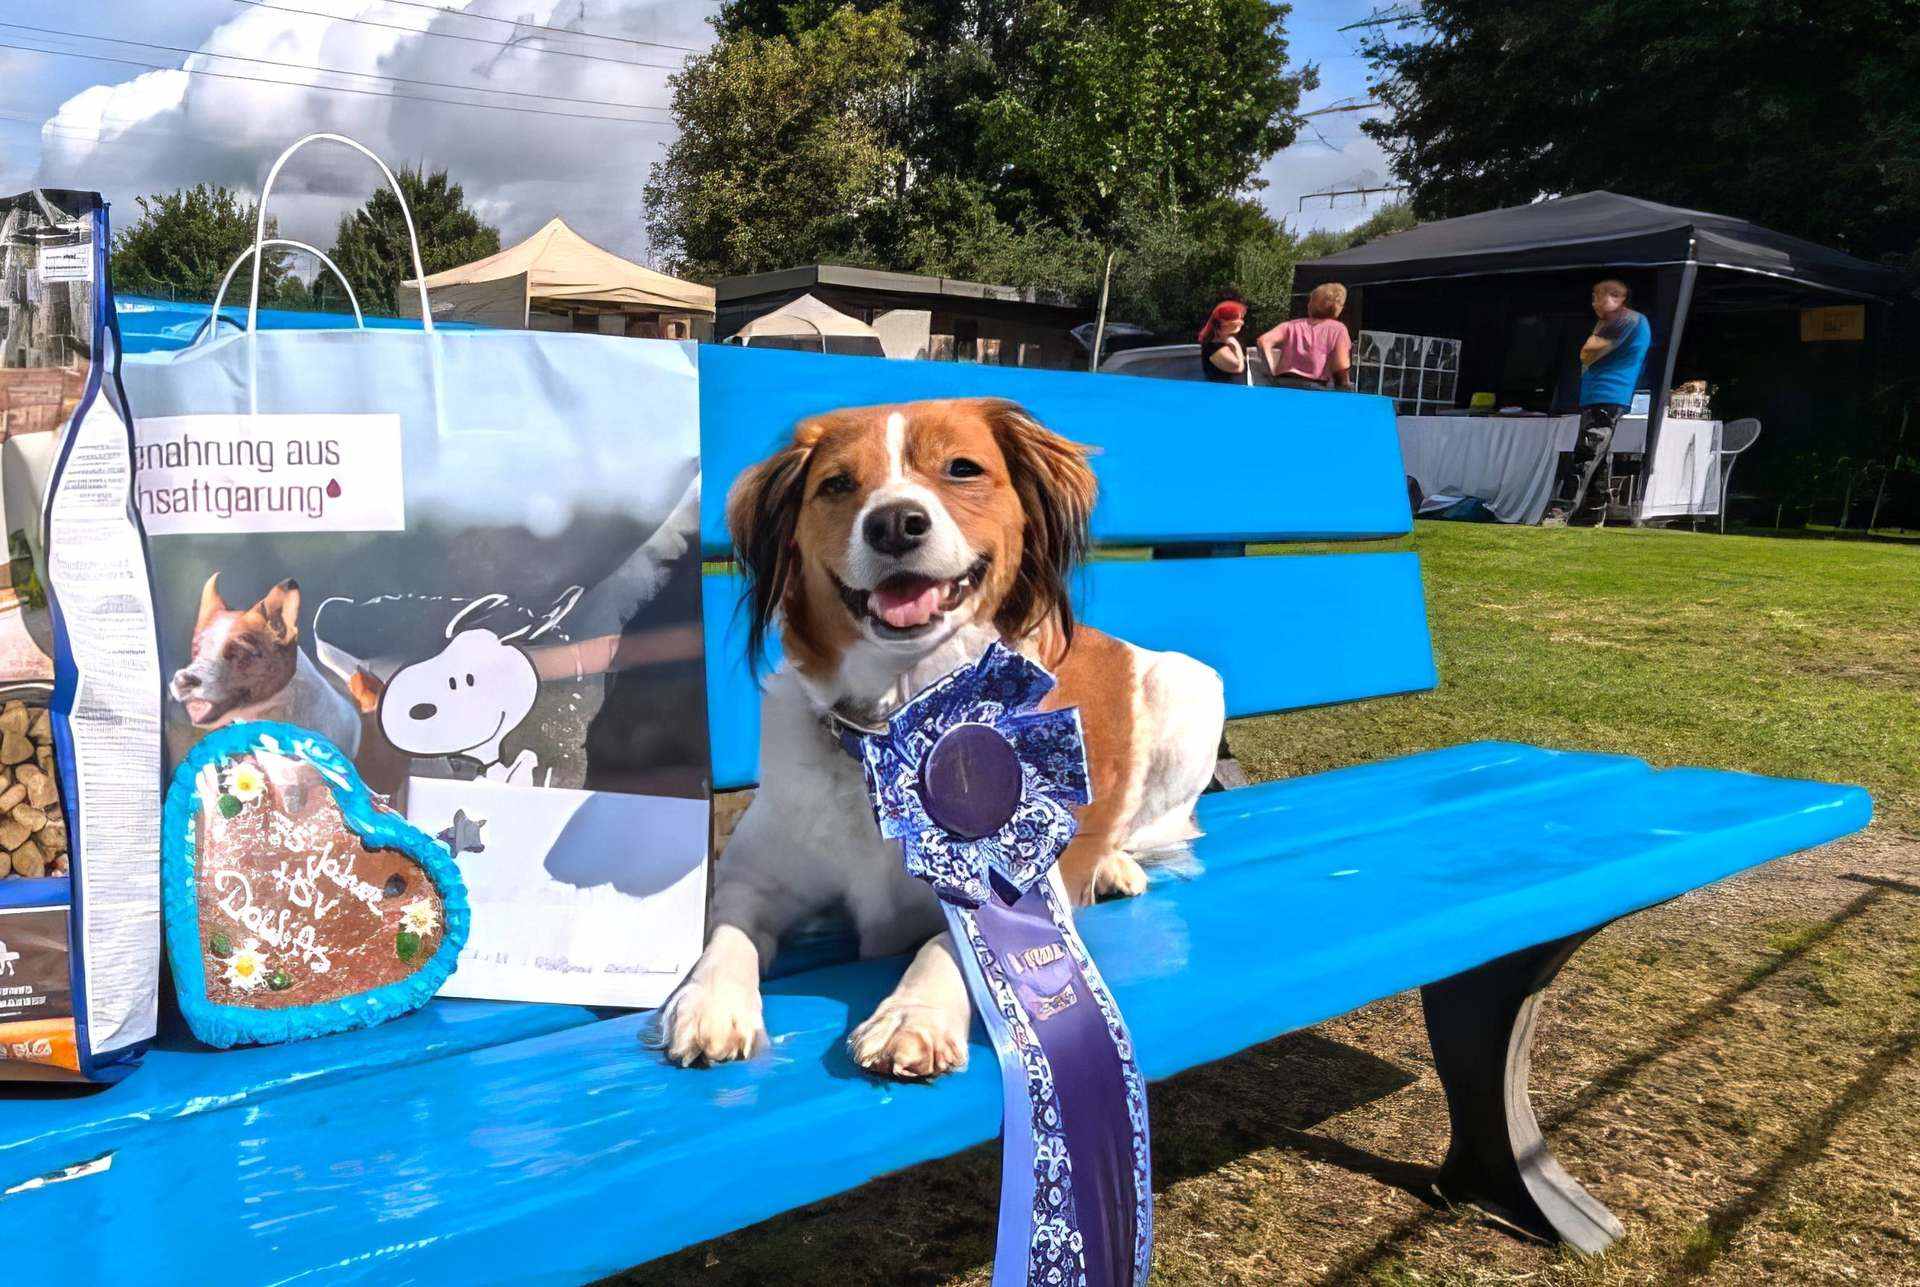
x: 1473, y: 276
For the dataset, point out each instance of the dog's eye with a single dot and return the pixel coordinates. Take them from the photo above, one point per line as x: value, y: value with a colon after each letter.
x: 838, y: 485
x: 453, y: 685
x: 469, y: 681
x: 961, y: 467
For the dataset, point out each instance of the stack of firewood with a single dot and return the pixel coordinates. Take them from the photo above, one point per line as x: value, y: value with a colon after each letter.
x: 33, y: 829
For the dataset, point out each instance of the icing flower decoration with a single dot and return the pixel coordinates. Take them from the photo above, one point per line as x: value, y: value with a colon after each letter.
x: 246, y: 783
x: 975, y: 783
x: 247, y: 968
x: 418, y: 917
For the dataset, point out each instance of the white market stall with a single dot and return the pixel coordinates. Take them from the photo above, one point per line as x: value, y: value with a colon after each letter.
x: 558, y: 280
x: 813, y: 326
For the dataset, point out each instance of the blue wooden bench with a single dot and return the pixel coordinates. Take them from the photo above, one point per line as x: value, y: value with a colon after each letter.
x: 479, y: 1142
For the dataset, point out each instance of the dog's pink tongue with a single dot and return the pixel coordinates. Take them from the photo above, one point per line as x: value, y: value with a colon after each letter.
x: 907, y: 602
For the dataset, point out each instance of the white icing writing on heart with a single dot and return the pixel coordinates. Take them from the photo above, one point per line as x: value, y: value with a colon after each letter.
x: 236, y: 900
x: 301, y: 879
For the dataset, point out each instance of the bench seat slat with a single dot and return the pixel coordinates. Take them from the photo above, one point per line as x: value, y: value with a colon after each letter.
x: 182, y: 1078
x: 1303, y: 465
x: 590, y: 1148
x: 1303, y: 630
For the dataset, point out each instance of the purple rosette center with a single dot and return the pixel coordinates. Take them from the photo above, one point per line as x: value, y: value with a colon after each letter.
x: 976, y: 783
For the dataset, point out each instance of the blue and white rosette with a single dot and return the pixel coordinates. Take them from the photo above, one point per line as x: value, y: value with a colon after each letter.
x: 978, y: 787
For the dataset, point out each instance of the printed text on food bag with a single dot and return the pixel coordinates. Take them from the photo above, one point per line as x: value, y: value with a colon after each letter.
x: 207, y: 475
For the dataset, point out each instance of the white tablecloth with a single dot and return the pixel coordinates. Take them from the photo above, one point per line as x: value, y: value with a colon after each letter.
x: 1510, y: 462
x: 1685, y: 478
x: 1506, y: 461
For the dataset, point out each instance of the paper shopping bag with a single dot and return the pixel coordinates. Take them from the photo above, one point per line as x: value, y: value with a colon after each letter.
x: 469, y: 560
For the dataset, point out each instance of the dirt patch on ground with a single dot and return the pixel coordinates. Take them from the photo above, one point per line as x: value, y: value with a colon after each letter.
x: 1735, y: 1074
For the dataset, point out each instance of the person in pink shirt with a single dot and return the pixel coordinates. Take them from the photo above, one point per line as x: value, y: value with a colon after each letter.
x: 1314, y: 349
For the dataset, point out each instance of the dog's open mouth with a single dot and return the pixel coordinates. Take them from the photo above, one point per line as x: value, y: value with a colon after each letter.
x: 907, y: 604
x: 199, y: 710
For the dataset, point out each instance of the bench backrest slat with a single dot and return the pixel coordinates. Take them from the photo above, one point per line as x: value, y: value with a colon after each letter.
x: 1284, y: 632
x: 1179, y: 461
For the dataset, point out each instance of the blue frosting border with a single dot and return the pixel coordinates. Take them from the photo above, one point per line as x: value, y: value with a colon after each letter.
x: 227, y: 1025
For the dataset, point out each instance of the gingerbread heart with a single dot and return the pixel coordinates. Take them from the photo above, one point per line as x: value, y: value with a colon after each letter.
x: 296, y: 902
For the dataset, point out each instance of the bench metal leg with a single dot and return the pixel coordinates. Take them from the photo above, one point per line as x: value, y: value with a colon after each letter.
x: 1481, y: 1027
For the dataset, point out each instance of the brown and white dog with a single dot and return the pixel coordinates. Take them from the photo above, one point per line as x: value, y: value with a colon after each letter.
x: 892, y: 544
x: 248, y: 665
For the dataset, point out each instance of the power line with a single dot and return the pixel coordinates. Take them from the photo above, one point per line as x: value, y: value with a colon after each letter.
x: 449, y: 35
x: 329, y: 89
x: 564, y: 31
x: 329, y: 71
x: 135, y: 136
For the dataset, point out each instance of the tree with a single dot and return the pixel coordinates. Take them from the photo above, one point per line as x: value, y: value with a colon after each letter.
x: 1145, y: 106
x: 1178, y: 262
x: 371, y: 243
x: 184, y: 242
x: 1395, y: 216
x: 999, y: 138
x: 951, y: 228
x: 1803, y: 115
x: 784, y: 145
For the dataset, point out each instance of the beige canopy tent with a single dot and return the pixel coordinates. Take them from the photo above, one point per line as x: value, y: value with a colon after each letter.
x: 558, y: 280
x: 808, y: 324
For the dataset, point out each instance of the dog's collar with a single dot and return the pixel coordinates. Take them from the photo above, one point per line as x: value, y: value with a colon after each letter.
x: 846, y: 733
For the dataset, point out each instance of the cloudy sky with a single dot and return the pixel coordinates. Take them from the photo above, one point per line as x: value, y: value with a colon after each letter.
x: 96, y: 97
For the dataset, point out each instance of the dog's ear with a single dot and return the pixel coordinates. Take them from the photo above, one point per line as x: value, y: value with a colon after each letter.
x: 281, y: 609
x: 210, y: 603
x: 1057, y: 491
x: 365, y: 689
x: 763, y: 511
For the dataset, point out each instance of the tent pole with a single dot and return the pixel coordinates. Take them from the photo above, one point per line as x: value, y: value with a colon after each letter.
x: 1657, y: 410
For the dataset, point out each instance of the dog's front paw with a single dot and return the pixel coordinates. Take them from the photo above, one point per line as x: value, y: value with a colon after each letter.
x: 711, y: 1023
x: 911, y: 1041
x: 1119, y: 875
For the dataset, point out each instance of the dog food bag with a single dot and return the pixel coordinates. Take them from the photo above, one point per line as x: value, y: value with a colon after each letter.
x: 79, y: 666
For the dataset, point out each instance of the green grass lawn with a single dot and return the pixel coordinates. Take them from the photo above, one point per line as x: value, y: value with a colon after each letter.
x: 1791, y: 657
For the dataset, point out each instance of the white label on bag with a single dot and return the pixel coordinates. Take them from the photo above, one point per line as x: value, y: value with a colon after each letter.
x: 220, y: 474
x: 98, y: 575
x: 66, y: 263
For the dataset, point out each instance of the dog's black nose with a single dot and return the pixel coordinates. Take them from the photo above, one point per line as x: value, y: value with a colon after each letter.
x: 422, y: 710
x: 894, y: 529
x: 186, y: 681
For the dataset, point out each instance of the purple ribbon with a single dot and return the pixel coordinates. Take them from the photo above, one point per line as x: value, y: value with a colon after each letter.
x: 979, y: 788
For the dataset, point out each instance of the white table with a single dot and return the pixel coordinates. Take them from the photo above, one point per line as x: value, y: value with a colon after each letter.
x: 1511, y: 462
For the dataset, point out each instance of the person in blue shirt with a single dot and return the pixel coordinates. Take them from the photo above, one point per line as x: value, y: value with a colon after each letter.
x: 1610, y: 363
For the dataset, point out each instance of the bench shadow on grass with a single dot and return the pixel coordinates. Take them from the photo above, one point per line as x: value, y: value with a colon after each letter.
x: 1721, y: 1226
x: 936, y: 1221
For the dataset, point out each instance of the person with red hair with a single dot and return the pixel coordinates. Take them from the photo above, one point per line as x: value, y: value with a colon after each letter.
x: 1222, y: 359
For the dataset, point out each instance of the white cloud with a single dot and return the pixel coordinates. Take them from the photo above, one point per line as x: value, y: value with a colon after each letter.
x: 160, y: 130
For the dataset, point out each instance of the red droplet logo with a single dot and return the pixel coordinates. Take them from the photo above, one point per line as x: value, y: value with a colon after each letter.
x: 333, y: 488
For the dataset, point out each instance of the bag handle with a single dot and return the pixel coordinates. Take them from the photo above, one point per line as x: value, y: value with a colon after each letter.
x: 260, y: 229
x: 413, y: 247
x: 220, y: 296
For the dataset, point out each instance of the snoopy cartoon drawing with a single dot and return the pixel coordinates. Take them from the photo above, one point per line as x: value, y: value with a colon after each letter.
x: 469, y: 697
